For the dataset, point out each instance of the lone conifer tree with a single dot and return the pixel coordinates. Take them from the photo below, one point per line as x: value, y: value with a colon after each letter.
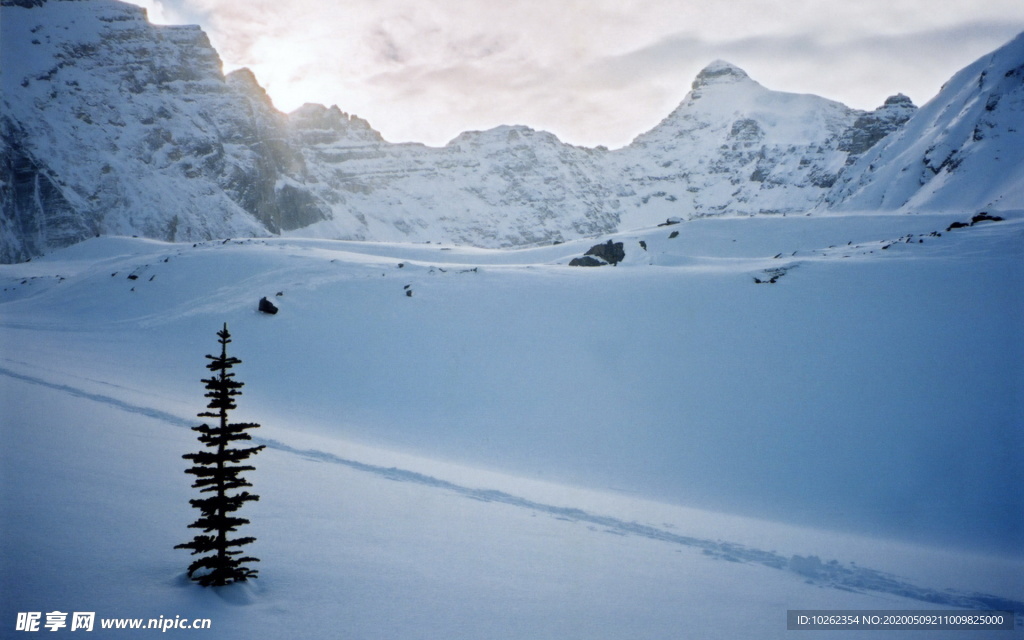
x: 217, y: 474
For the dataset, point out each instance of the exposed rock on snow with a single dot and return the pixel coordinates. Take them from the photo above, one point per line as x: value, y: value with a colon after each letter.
x: 601, y: 254
x: 980, y: 217
x: 268, y: 307
x: 586, y: 261
x: 871, y: 127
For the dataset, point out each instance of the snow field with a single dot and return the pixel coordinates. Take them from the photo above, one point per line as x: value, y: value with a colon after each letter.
x: 868, y: 402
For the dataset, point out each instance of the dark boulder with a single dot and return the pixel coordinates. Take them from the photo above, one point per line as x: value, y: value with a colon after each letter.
x: 980, y: 217
x: 985, y: 217
x: 266, y: 306
x: 611, y: 252
x: 601, y: 254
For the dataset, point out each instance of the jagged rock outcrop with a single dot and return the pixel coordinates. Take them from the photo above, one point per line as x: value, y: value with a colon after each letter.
x: 601, y: 254
x: 271, y: 183
x: 869, y: 128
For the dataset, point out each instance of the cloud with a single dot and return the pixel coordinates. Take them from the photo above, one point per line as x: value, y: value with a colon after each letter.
x: 859, y: 70
x: 591, y: 71
x: 863, y: 70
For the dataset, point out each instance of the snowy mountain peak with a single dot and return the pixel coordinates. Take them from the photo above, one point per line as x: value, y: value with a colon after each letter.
x: 898, y: 100
x: 733, y: 146
x: 311, y: 118
x: 504, y: 134
x: 245, y: 80
x: 719, y: 72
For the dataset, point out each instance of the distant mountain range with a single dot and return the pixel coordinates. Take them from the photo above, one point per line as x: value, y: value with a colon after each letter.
x: 112, y: 125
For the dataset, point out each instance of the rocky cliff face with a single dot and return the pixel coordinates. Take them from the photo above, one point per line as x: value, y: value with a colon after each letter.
x: 504, y: 187
x: 111, y: 125
x: 36, y: 213
x: 869, y: 128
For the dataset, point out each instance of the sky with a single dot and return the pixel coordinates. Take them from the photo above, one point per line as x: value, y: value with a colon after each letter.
x: 593, y: 72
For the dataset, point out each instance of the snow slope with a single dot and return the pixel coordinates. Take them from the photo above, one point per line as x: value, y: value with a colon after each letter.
x: 526, y: 449
x: 964, y: 149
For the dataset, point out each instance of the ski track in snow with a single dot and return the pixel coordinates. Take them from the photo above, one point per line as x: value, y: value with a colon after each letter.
x: 831, y: 574
x: 156, y: 414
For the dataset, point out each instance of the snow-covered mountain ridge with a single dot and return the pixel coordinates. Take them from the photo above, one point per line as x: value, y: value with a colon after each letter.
x: 178, y: 151
x: 964, y: 149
